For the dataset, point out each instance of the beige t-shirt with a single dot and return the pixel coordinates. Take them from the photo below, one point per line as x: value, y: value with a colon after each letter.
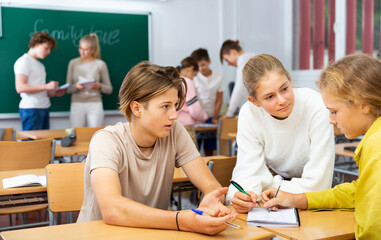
x: 144, y: 179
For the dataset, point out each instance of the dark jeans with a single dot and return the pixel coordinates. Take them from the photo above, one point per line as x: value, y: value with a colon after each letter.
x: 34, y: 118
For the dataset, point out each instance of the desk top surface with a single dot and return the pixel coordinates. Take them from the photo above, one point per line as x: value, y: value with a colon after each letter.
x: 339, y: 149
x: 99, y: 230
x: 21, y: 190
x: 78, y: 148
x: 41, y: 134
x: 314, y: 225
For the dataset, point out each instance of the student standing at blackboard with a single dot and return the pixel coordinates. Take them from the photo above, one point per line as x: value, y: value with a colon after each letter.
x: 89, y: 77
x: 30, y: 78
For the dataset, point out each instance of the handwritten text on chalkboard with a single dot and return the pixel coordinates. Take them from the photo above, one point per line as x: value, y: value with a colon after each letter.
x: 72, y: 33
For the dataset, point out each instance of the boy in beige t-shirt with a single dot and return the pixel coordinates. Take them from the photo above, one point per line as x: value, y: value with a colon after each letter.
x: 129, y: 169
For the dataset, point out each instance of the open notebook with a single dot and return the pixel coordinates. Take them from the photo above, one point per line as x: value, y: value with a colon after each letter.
x: 27, y: 180
x: 282, y: 218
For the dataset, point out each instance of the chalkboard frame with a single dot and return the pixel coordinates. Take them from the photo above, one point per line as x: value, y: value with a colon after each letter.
x: 76, y: 9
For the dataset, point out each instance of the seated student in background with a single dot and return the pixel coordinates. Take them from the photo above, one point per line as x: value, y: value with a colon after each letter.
x: 191, y: 113
x: 209, y: 87
x: 30, y: 80
x: 129, y: 168
x: 351, y: 91
x: 282, y: 132
x: 86, y: 109
x: 233, y: 54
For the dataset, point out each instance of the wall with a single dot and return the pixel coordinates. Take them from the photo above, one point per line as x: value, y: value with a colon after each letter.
x: 180, y: 26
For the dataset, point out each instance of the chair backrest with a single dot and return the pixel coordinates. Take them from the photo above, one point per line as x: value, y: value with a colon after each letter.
x: 8, y: 135
x: 84, y: 134
x: 222, y: 169
x: 224, y: 141
x: 65, y: 183
x: 27, y: 154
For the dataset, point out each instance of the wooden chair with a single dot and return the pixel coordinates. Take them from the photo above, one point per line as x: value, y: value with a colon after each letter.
x: 222, y: 169
x: 84, y: 134
x: 9, y: 135
x: 224, y: 141
x: 25, y: 155
x: 65, y: 184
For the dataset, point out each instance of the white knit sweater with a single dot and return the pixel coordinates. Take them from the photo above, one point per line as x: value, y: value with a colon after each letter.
x: 300, y: 147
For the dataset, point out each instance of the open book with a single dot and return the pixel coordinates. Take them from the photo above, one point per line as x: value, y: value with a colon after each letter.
x: 28, y: 180
x: 282, y: 218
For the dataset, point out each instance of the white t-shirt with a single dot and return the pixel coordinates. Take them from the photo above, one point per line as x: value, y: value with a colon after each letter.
x: 239, y: 94
x: 207, y: 89
x: 300, y: 147
x: 35, y: 71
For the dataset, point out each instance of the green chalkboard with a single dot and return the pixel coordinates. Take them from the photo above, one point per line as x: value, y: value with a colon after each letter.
x: 124, y: 41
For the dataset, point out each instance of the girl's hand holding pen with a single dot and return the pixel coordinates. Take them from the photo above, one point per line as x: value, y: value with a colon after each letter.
x: 243, y: 201
x: 283, y: 199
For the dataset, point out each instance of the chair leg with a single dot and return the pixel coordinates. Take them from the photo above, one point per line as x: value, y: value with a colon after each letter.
x: 10, y: 220
x: 51, y: 218
x: 69, y: 217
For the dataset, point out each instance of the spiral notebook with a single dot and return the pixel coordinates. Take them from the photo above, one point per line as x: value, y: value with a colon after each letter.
x: 282, y: 218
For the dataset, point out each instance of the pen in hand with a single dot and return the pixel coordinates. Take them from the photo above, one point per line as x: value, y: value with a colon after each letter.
x: 236, y: 185
x: 199, y: 212
x: 276, y: 193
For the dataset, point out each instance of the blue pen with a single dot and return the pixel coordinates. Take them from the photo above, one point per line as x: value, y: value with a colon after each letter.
x: 199, y: 212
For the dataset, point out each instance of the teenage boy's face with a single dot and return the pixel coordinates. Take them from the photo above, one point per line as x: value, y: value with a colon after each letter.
x: 275, y: 95
x: 42, y: 50
x: 203, y: 67
x: 350, y: 119
x: 160, y: 114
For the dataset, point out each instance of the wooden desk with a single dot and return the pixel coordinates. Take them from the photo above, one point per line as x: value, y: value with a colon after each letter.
x: 40, y: 134
x: 314, y: 225
x: 22, y: 190
x: 22, y: 199
x: 339, y: 149
x: 78, y: 148
x: 232, y: 135
x: 99, y: 230
x: 206, y: 127
x: 320, y: 225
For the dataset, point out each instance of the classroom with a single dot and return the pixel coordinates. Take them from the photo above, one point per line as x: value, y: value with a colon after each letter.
x: 302, y: 151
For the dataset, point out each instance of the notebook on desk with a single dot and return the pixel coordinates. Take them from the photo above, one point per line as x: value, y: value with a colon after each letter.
x: 282, y: 218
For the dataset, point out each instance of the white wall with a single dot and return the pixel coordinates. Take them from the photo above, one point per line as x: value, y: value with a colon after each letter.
x: 180, y: 26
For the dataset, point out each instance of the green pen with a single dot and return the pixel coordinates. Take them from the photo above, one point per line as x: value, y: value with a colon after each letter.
x: 236, y: 185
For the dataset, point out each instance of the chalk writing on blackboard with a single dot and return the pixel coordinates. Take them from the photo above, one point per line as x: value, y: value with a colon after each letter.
x: 73, y: 33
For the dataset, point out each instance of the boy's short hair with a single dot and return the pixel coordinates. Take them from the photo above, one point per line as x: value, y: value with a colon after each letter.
x: 42, y: 37
x: 227, y: 46
x: 200, y: 54
x: 145, y: 81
